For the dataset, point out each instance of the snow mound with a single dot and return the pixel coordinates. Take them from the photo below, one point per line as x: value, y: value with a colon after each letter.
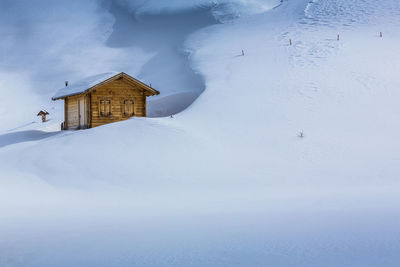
x: 171, y: 104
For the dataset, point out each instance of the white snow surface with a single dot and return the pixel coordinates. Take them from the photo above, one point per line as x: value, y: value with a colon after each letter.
x: 228, y: 181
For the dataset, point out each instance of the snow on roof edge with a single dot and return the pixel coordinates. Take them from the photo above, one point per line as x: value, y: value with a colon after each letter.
x: 83, y: 85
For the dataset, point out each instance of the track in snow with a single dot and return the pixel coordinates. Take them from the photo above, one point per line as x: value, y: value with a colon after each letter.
x: 315, y: 36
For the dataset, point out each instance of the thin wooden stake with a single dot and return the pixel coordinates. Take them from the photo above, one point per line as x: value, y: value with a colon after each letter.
x: 290, y: 41
x: 338, y: 37
x: 242, y: 52
x: 381, y: 34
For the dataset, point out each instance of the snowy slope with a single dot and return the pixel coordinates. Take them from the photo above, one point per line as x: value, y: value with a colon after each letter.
x: 228, y: 182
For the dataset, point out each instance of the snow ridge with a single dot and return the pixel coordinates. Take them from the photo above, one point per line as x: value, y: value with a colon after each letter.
x: 223, y: 7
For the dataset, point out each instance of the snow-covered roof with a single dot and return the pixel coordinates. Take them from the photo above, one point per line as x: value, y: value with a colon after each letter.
x: 86, y: 84
x: 83, y: 85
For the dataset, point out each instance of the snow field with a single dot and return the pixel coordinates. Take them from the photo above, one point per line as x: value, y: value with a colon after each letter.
x: 228, y: 182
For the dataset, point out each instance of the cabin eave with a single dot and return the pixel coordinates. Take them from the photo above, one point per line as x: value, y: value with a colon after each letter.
x: 150, y: 91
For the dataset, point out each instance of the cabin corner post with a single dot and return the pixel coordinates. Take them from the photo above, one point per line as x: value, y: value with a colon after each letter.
x: 65, y: 127
x: 145, y: 106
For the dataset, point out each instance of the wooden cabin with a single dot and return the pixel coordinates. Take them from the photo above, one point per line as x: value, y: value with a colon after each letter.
x: 103, y: 99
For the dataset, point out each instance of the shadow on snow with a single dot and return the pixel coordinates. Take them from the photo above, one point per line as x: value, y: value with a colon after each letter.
x: 24, y: 136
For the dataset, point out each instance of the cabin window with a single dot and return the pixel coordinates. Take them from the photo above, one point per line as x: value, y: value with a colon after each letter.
x: 129, y: 108
x: 105, y: 108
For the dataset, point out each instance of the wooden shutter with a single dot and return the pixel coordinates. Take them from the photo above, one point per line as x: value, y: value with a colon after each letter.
x: 102, y: 108
x: 129, y: 108
x: 126, y: 111
x: 108, y: 107
x: 105, y: 108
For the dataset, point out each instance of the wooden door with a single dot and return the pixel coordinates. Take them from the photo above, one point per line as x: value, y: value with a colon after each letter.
x: 82, y: 113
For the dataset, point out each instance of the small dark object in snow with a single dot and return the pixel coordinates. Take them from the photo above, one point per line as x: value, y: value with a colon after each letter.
x: 381, y: 34
x: 172, y: 117
x: 338, y: 37
x: 43, y: 113
x: 290, y: 41
x: 300, y: 134
x: 242, y: 52
x: 66, y: 83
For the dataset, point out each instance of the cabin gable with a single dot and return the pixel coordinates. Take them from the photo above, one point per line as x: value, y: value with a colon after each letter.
x: 116, y: 101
